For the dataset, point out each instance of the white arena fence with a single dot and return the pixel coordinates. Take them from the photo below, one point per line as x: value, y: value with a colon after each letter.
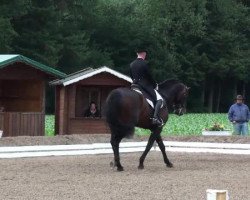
x: 125, y: 147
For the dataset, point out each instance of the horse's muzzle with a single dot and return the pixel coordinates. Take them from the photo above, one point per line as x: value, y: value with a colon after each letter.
x: 179, y: 111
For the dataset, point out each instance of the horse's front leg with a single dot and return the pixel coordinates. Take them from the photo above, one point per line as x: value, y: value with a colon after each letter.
x: 162, y: 148
x: 115, y: 146
x: 148, y: 147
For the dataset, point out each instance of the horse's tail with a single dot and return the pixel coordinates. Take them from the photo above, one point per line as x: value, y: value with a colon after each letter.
x: 113, y: 112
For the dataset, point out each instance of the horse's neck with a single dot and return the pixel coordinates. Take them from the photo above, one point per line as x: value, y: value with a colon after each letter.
x: 170, y: 98
x: 169, y: 94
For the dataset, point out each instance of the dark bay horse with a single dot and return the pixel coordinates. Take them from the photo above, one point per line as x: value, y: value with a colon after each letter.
x: 127, y: 109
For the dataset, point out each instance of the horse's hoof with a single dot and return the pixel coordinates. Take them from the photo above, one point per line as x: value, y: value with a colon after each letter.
x: 140, y: 167
x: 120, y: 169
x: 170, y: 165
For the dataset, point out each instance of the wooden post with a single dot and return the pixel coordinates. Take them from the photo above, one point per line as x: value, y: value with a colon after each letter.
x: 217, y: 194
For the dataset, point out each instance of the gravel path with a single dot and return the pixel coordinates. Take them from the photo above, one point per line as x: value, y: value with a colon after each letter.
x: 90, y: 177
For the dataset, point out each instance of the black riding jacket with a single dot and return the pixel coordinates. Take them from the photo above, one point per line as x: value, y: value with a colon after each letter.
x: 140, y: 74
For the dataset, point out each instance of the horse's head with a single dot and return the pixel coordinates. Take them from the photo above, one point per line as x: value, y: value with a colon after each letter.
x: 180, y: 100
x: 175, y: 94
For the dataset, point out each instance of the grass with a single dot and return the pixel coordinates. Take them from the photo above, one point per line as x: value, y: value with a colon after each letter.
x: 188, y: 124
x: 49, y: 125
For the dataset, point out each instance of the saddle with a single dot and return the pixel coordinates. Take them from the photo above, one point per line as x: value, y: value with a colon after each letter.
x: 148, y: 97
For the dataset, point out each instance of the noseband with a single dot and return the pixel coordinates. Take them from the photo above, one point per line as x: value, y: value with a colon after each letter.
x: 179, y: 109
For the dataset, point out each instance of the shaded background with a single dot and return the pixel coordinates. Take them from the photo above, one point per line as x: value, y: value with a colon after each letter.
x: 204, y: 43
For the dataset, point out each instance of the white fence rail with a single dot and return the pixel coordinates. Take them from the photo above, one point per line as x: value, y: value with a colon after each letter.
x: 105, y: 148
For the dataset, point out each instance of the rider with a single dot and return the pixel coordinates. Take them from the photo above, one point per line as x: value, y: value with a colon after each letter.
x: 141, y: 76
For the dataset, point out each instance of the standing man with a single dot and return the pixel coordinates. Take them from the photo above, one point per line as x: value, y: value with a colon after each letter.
x: 239, y: 115
x: 141, y: 76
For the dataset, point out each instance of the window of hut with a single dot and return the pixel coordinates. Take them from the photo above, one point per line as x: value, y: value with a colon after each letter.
x: 84, y: 96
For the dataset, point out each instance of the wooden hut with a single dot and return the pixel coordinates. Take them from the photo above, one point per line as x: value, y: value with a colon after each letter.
x: 74, y: 94
x: 22, y: 95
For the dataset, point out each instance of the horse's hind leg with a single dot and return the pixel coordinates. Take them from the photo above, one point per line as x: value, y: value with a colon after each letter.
x: 115, y: 146
x: 162, y: 148
x: 148, y: 147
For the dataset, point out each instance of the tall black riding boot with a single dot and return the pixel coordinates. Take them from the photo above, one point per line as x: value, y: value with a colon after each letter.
x: 155, y: 119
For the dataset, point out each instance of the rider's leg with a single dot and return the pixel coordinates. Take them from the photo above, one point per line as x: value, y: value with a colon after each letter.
x: 155, y: 119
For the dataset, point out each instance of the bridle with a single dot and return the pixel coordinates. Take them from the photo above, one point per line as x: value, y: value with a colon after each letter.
x: 179, y: 108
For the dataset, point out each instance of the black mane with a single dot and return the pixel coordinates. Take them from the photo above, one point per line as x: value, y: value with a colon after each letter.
x: 168, y: 83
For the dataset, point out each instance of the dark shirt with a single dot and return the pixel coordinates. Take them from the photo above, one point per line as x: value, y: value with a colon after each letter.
x: 90, y: 114
x: 140, y: 73
x: 239, y: 113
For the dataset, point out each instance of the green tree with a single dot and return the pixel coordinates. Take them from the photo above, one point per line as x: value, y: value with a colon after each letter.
x: 7, y: 32
x: 222, y: 45
x: 6, y: 35
x: 79, y: 49
x: 37, y: 32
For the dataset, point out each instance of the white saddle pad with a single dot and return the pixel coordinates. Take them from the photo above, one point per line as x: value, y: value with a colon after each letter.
x: 158, y: 97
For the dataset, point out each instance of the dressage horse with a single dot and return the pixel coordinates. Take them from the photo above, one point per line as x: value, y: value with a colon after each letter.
x: 127, y: 109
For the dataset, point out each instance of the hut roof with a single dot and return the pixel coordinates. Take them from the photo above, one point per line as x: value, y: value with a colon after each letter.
x: 86, y: 73
x: 7, y: 60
